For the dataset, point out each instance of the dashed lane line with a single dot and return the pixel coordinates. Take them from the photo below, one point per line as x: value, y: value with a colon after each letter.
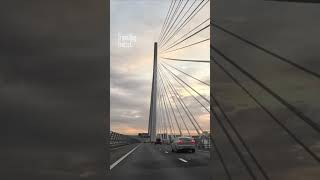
x: 185, y: 161
x: 123, y: 157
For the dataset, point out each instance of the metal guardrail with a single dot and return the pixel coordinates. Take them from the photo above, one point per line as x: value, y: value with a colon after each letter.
x: 203, y: 142
x: 117, y: 139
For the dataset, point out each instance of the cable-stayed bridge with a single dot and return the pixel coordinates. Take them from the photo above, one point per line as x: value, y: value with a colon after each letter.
x: 232, y: 151
x: 179, y: 103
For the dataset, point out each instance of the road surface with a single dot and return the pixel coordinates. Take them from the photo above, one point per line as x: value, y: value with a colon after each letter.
x: 157, y: 162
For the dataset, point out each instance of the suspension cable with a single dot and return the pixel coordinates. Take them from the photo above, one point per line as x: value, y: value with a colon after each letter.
x: 187, y: 74
x: 176, y: 18
x: 163, y: 114
x: 172, y: 17
x: 165, y: 21
x: 221, y: 159
x: 266, y: 51
x: 183, y: 86
x: 241, y: 140
x: 268, y: 112
x: 185, y: 107
x: 186, y: 60
x: 178, y: 109
x: 165, y: 26
x: 168, y: 100
x: 182, y: 17
x: 293, y: 109
x: 189, y: 32
x: 174, y: 45
x: 189, y: 45
x: 235, y: 147
x: 168, y: 114
x: 186, y: 21
x: 185, y: 83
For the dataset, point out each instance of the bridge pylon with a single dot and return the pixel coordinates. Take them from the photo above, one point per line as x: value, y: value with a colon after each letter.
x: 152, y: 129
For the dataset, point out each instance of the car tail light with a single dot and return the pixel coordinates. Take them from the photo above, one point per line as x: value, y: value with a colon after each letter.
x: 180, y: 142
x: 193, y: 141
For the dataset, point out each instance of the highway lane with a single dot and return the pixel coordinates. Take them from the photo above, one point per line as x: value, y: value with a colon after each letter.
x: 118, y: 152
x: 157, y: 162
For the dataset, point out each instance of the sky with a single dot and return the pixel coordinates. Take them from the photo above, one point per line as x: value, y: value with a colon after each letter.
x: 131, y: 68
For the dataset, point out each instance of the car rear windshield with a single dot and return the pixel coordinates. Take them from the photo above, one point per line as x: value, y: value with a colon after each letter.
x: 185, y: 139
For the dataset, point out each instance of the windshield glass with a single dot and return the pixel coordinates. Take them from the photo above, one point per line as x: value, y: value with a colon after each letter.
x: 185, y: 139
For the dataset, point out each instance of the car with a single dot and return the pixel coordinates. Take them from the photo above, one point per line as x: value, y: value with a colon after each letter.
x: 158, y: 141
x: 183, y: 143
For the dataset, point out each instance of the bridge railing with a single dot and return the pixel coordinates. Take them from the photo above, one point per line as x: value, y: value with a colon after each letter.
x: 203, y: 142
x: 117, y: 139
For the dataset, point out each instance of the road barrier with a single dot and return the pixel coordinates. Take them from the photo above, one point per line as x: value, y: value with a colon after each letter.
x: 203, y: 142
x: 117, y: 139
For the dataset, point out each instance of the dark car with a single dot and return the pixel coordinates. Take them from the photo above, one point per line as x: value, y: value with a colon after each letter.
x: 158, y: 141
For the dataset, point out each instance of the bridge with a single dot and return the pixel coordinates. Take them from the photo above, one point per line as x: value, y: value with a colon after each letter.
x: 227, y: 144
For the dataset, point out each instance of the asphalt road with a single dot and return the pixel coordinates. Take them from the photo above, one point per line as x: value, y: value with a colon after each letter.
x: 118, y: 152
x: 157, y: 162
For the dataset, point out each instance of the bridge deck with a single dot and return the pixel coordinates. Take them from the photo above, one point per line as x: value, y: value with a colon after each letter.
x: 157, y: 162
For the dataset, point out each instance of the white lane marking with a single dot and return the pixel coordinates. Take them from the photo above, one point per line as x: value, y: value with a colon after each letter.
x: 123, y: 157
x: 185, y: 161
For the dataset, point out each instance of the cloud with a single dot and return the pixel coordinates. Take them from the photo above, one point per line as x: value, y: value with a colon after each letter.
x: 131, y: 68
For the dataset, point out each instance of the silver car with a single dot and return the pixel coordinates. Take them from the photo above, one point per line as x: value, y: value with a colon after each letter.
x: 183, y: 143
